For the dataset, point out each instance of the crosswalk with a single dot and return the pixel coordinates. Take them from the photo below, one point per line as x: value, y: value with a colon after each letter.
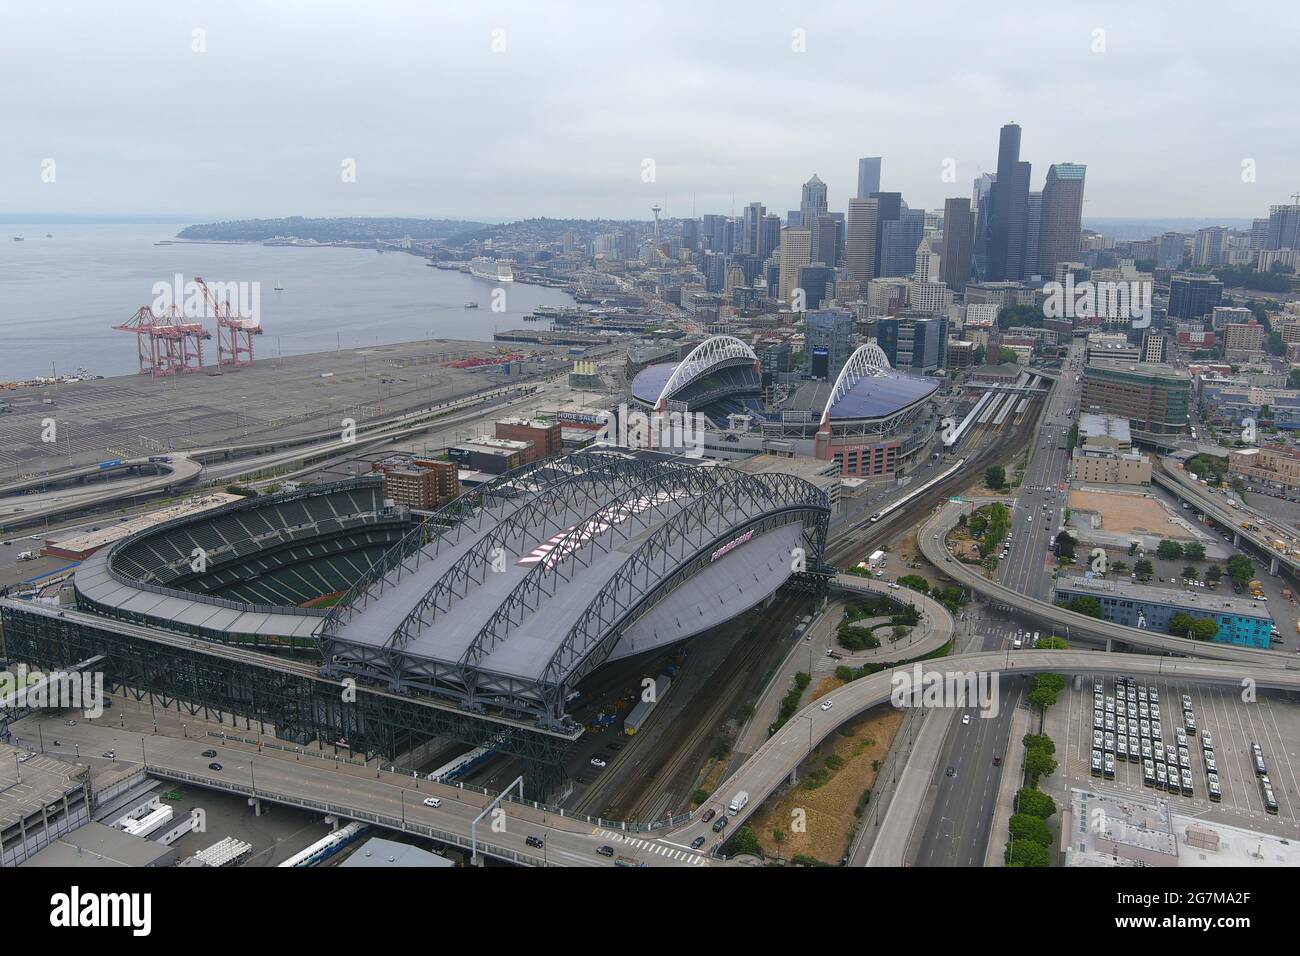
x: 653, y: 846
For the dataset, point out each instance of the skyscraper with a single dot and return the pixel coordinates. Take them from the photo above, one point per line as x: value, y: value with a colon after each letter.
x: 828, y: 342
x: 796, y: 246
x: 769, y: 235
x: 752, y: 229
x: 889, y: 208
x: 868, y: 176
x: 1211, y: 246
x: 1061, y: 229
x: 981, y: 209
x: 812, y: 205
x: 958, y: 238
x: 1033, y: 223
x: 826, y: 239
x: 860, y: 241
x: 1009, y: 209
x: 898, y: 241
x: 1283, y: 228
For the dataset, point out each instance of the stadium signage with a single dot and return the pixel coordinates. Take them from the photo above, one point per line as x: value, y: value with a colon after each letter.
x: 732, y: 545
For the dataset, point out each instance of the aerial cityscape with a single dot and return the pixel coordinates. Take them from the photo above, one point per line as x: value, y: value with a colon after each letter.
x: 593, y: 486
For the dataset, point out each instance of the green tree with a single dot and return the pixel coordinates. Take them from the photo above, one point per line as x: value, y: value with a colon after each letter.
x: 1027, y: 853
x: 1180, y: 624
x: 743, y: 841
x: 1031, y: 800
x: 1039, y: 763
x: 995, y: 476
x: 1240, y: 568
x: 1204, y: 629
x: 1213, y: 573
x: 1194, y: 551
x: 1144, y: 569
x: 1039, y: 741
x: 978, y: 356
x: 1190, y: 573
x: 1086, y: 604
x: 1065, y: 544
x: 1052, y: 642
x: 915, y: 582
x: 1026, y: 826
x: 1169, y: 550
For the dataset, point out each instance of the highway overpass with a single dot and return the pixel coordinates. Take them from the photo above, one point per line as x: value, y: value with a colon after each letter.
x: 776, y: 759
x: 1059, y: 619
x: 1174, y: 479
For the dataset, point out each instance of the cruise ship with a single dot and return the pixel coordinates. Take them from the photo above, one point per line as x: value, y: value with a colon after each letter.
x: 497, y: 270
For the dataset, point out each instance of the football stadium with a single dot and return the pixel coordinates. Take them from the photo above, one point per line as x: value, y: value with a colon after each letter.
x: 871, y: 419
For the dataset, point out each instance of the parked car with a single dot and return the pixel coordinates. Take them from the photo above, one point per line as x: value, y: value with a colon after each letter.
x: 597, y: 762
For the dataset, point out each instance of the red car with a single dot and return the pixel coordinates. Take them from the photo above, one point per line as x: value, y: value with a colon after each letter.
x: 997, y: 760
x: 708, y: 815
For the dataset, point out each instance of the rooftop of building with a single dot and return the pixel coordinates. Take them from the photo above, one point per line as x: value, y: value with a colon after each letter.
x: 101, y: 846
x: 1158, y: 370
x: 1204, y: 601
x: 1097, y: 425
x: 45, y: 780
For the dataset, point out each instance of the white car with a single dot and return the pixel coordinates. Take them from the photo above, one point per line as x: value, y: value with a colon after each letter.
x: 432, y: 802
x: 965, y: 718
x: 827, y: 704
x: 597, y: 762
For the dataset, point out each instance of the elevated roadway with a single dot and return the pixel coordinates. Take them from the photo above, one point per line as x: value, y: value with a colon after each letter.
x: 931, y: 537
x: 773, y: 762
x: 1167, y: 475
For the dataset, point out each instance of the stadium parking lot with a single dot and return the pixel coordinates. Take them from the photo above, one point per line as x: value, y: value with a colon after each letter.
x: 1272, y: 721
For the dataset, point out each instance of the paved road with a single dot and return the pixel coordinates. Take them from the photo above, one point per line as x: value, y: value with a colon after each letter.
x: 1069, y: 622
x: 1037, y: 516
x: 793, y: 743
x: 311, y: 781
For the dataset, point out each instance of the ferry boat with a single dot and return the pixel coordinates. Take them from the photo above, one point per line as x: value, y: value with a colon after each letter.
x: 471, y: 305
x: 497, y: 270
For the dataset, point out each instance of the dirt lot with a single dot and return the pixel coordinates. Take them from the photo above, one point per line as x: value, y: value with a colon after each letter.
x: 1124, y: 513
x: 828, y: 807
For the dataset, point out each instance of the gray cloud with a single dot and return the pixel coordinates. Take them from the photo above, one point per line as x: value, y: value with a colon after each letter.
x: 559, y: 123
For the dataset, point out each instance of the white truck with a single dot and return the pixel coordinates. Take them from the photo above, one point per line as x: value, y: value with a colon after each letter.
x: 26, y: 556
x: 738, y: 803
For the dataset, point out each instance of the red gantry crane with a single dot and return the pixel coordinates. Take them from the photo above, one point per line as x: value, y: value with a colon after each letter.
x: 234, y: 334
x: 166, y: 345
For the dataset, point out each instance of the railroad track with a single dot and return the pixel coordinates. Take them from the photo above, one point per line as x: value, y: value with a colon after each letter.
x: 637, y: 795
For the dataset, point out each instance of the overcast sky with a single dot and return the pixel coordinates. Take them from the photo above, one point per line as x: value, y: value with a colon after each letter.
x: 560, y: 122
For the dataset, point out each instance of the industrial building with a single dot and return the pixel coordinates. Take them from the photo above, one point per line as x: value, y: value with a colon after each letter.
x: 1240, y: 621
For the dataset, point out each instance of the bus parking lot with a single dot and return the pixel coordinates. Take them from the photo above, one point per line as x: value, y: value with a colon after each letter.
x: 1232, y: 723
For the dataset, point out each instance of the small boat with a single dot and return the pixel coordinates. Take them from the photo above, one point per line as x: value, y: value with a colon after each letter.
x: 471, y: 305
x: 49, y: 235
x: 18, y: 238
x: 278, y: 287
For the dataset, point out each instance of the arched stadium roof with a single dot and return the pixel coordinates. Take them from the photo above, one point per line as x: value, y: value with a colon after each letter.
x: 716, y: 352
x: 519, y: 594
x: 868, y: 387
